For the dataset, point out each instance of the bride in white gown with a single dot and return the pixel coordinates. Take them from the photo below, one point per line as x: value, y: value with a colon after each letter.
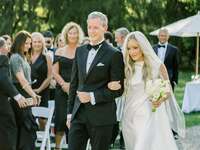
x: 143, y: 129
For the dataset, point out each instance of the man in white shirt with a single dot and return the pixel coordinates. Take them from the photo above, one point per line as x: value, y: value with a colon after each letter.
x: 168, y: 54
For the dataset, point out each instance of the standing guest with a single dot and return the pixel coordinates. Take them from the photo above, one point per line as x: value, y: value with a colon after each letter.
x: 168, y: 54
x: 120, y: 35
x: 8, y: 41
x: 41, y: 70
x: 49, y: 39
x: 108, y: 37
x: 92, y: 107
x: 8, y: 127
x: 59, y: 41
x: 21, y: 75
x: 62, y: 68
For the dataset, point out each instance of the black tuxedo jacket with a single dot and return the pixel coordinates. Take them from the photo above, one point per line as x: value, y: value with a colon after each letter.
x: 107, y: 66
x: 8, y: 128
x: 171, y: 62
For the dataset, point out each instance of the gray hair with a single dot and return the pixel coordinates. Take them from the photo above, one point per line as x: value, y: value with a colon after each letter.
x: 122, y: 31
x: 163, y: 30
x: 2, y: 42
x: 100, y: 15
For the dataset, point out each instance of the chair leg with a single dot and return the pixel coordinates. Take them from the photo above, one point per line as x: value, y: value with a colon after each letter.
x: 48, y: 144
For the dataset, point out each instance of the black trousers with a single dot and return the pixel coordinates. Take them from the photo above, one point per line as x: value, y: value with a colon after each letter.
x: 81, y: 130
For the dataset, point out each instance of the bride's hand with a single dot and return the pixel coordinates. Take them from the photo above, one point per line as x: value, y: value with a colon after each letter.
x: 156, y: 104
x: 114, y: 85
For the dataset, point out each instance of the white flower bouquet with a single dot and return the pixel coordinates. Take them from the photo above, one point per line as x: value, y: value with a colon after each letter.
x: 157, y: 89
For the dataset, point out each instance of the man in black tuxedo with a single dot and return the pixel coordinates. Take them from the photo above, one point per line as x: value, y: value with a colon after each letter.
x: 8, y: 130
x: 168, y: 55
x: 92, y: 107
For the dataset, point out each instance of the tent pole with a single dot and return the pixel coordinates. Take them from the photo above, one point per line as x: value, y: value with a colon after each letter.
x: 197, y: 55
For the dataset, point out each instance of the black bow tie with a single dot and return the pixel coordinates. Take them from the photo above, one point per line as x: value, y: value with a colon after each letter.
x: 95, y: 47
x: 159, y: 46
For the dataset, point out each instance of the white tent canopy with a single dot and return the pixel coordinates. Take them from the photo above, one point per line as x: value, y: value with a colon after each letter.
x: 188, y: 27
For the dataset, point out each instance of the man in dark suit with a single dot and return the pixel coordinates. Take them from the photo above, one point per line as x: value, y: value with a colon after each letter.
x: 168, y: 55
x: 8, y: 130
x: 92, y: 107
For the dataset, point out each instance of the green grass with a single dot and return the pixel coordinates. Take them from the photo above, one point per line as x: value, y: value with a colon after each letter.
x: 193, y: 118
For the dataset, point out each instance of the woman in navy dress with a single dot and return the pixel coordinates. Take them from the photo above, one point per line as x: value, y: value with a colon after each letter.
x: 41, y: 70
x: 72, y: 34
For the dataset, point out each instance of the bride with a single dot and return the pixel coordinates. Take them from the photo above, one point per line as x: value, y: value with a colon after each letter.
x: 143, y: 129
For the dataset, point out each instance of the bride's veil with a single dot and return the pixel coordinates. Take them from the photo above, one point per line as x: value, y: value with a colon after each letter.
x: 175, y: 115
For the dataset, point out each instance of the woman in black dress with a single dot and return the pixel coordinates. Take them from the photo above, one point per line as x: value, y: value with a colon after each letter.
x: 62, y: 67
x: 41, y: 71
x: 21, y: 76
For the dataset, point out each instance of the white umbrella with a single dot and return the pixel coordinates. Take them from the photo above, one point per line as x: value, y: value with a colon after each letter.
x: 188, y: 27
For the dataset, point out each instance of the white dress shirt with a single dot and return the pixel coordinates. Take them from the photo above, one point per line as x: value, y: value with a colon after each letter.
x: 91, y: 55
x: 162, y: 51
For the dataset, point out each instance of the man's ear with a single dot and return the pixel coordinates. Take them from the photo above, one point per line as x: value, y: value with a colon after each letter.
x: 105, y: 28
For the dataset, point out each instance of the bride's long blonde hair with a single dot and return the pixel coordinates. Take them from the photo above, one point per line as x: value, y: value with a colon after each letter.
x: 129, y: 63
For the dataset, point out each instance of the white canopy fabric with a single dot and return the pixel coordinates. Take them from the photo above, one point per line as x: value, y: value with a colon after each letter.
x: 188, y: 27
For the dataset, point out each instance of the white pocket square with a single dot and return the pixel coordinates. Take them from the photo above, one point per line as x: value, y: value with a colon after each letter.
x: 100, y: 64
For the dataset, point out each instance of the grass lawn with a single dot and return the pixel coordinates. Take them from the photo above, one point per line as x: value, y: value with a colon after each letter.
x: 192, y: 118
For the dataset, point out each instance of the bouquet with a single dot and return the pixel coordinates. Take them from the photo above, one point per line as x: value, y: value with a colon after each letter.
x: 157, y: 89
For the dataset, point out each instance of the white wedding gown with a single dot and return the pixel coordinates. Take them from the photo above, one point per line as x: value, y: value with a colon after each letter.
x: 143, y: 129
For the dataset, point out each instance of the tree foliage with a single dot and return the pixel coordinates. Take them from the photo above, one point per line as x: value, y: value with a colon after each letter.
x: 143, y: 15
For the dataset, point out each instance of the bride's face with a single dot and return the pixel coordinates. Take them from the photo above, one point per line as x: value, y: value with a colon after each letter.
x: 134, y: 50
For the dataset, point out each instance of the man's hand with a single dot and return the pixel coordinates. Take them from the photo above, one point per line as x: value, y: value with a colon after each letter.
x: 22, y: 102
x: 114, y: 85
x: 84, y: 97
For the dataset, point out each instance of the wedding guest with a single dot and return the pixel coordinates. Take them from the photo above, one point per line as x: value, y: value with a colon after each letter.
x: 120, y: 35
x: 62, y: 68
x: 92, y: 107
x: 59, y: 41
x: 108, y: 37
x: 41, y: 71
x: 8, y: 42
x: 168, y: 54
x: 21, y: 76
x: 8, y: 127
x: 49, y: 39
x: 142, y: 128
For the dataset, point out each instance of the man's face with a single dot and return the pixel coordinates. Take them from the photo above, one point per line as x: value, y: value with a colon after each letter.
x: 96, y: 30
x: 119, y: 39
x: 4, y: 50
x: 163, y: 37
x: 48, y: 42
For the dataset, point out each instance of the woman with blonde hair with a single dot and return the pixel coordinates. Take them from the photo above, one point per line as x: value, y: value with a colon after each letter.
x: 62, y: 67
x: 142, y: 128
x: 41, y: 70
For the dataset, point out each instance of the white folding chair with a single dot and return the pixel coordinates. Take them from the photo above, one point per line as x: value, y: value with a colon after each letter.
x: 44, y: 136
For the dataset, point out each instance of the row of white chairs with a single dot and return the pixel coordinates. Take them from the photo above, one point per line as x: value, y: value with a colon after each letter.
x: 44, y: 137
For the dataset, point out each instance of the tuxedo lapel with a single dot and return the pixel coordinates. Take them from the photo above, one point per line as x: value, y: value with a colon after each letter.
x: 167, y: 51
x: 156, y: 50
x: 84, y: 62
x: 98, y: 56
